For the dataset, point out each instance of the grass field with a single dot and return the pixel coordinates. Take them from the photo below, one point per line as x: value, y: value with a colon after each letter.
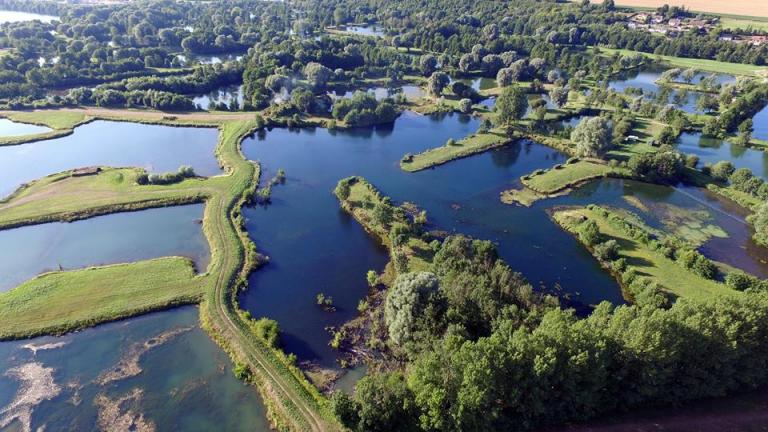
x: 756, y: 8
x: 744, y: 23
x: 700, y: 64
x: 646, y: 261
x: 473, y: 144
x: 52, y: 119
x: 567, y: 175
x: 61, y: 197
x: 64, y: 301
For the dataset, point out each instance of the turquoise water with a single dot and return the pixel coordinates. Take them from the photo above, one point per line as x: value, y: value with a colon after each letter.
x: 185, y: 382
x: 116, y: 238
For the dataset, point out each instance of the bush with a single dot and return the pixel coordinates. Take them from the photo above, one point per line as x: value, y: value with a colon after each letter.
x: 607, y: 251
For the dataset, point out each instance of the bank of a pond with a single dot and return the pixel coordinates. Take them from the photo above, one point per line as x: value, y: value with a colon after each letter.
x: 129, y: 369
x: 647, y: 79
x: 106, y: 143
x: 712, y: 150
x: 117, y: 238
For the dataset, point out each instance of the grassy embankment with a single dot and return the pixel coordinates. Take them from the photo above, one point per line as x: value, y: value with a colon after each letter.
x: 646, y: 261
x: 473, y: 144
x: 698, y: 64
x: 293, y: 404
x: 57, y: 302
x: 62, y: 123
x: 559, y: 179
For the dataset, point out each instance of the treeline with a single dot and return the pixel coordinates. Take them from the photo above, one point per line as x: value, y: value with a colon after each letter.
x: 362, y: 109
x: 154, y: 99
x: 484, y: 352
x: 38, y: 7
x: 204, y: 79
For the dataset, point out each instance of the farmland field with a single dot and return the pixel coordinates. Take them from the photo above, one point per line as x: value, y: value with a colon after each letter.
x: 737, y: 7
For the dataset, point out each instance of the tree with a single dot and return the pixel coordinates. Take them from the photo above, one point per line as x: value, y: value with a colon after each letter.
x: 404, y: 311
x: 427, y: 64
x: 317, y: 75
x: 760, y: 221
x: 437, y: 82
x: 722, y: 170
x: 467, y: 62
x: 382, y: 403
x: 592, y: 136
x: 511, y: 105
x: 663, y: 166
x: 688, y: 75
x: 559, y: 96
x: 465, y: 106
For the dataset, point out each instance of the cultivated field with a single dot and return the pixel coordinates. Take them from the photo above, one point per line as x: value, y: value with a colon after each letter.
x: 733, y: 7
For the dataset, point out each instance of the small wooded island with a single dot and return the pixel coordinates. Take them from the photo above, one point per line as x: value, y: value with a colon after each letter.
x: 406, y: 215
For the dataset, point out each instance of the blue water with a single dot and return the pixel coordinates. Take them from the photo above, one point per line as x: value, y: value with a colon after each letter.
x: 155, y: 148
x: 713, y: 150
x: 11, y: 128
x: 120, y: 237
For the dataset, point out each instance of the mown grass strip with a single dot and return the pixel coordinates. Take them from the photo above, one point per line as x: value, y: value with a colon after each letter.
x: 58, y: 302
x: 473, y: 144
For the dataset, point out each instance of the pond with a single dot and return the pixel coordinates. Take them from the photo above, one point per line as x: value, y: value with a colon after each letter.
x: 187, y: 59
x: 712, y: 150
x: 760, y: 124
x: 410, y: 92
x: 368, y: 30
x: 477, y: 84
x: 155, y: 148
x: 232, y: 96
x: 11, y: 128
x: 121, y: 237
x: 14, y: 16
x: 645, y: 79
x: 160, y: 371
x: 315, y: 247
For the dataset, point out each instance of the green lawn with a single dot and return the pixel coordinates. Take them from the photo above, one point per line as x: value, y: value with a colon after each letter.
x: 63, y: 301
x: 700, y: 64
x: 52, y: 119
x: 647, y: 262
x: 63, y: 197
x: 734, y: 23
x: 473, y: 144
x: 565, y: 176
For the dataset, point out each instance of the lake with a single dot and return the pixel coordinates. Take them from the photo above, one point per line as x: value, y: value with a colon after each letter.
x: 156, y: 148
x: 160, y: 369
x: 116, y: 238
x: 315, y: 247
x: 712, y: 150
x: 14, y: 16
x: 645, y: 78
x: 11, y: 128
x: 232, y: 96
